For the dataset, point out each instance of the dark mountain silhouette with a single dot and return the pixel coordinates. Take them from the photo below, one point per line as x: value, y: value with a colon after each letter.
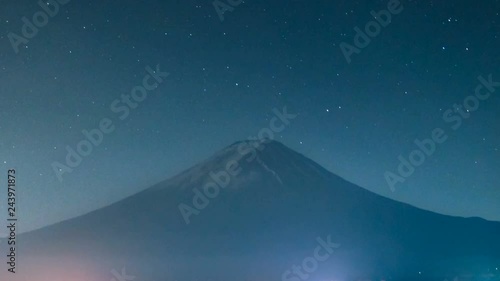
x: 264, y: 220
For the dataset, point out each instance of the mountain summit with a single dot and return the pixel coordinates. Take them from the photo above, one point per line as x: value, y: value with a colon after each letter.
x: 251, y: 212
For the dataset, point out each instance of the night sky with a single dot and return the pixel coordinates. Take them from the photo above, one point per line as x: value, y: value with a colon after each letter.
x: 225, y: 79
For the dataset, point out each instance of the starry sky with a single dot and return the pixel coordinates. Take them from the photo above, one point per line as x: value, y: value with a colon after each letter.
x: 227, y: 74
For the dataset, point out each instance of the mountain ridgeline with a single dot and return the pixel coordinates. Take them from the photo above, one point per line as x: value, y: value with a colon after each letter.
x: 257, y: 210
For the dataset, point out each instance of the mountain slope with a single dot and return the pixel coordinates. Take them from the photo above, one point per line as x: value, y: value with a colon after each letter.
x: 264, y: 218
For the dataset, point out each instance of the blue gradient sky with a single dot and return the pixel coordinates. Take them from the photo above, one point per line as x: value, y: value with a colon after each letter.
x: 225, y: 79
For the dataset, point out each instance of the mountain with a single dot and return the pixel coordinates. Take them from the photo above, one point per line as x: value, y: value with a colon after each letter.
x: 257, y: 210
